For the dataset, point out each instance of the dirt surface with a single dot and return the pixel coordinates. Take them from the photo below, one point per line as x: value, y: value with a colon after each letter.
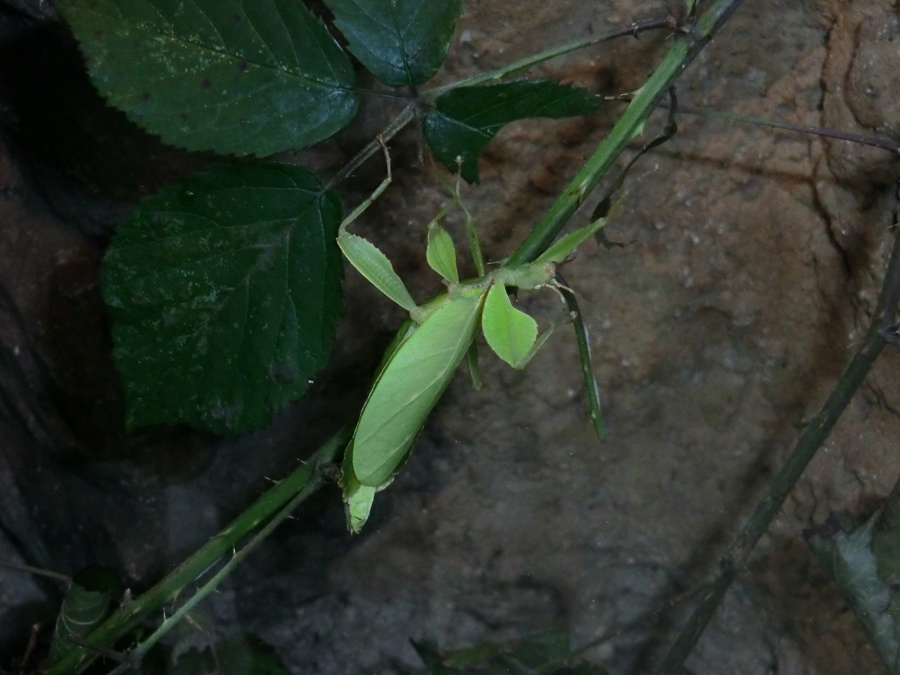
x: 751, y: 265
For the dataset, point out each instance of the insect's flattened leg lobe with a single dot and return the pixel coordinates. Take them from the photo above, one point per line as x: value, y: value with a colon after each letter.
x: 375, y: 266
x: 510, y: 332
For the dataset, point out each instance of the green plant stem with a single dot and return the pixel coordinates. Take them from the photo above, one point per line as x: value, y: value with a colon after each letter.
x: 810, y: 441
x: 302, y: 481
x: 493, y: 76
x: 686, y: 46
x: 134, y: 658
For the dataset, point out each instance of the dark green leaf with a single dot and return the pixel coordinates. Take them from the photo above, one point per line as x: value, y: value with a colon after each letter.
x: 846, y: 554
x: 225, y: 293
x: 235, y: 77
x: 402, y: 42
x: 467, y: 118
x: 86, y: 604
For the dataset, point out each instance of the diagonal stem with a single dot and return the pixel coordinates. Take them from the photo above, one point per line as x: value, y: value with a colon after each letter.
x: 810, y: 441
x: 127, y: 617
x: 686, y: 46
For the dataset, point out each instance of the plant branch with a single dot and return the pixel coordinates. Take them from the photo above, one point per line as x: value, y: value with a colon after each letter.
x: 29, y: 569
x: 134, y: 657
x: 813, y: 437
x: 687, y: 45
x: 882, y: 142
x: 302, y: 481
x: 409, y: 112
x: 494, y: 76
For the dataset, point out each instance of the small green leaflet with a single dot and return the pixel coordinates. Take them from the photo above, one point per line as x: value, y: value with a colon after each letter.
x: 402, y: 42
x: 225, y: 292
x: 245, y: 78
x: 467, y: 118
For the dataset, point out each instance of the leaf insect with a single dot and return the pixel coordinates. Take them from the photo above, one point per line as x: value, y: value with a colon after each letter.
x: 421, y: 360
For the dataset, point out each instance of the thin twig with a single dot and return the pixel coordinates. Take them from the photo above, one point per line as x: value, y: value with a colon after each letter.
x: 882, y: 142
x: 28, y: 569
x: 810, y: 441
x: 633, y: 29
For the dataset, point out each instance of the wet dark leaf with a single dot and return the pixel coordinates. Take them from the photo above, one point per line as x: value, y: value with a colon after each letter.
x: 234, y: 77
x: 402, y: 42
x: 225, y: 293
x: 467, y: 118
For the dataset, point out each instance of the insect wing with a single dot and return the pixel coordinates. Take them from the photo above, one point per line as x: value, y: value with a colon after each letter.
x: 409, y: 387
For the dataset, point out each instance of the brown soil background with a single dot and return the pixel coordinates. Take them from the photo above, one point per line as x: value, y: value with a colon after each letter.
x: 752, y: 264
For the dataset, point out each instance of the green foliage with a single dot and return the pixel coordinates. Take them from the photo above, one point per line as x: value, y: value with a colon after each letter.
x: 401, y: 42
x: 225, y: 289
x: 467, y: 118
x: 235, y: 77
x: 86, y: 605
x: 225, y: 293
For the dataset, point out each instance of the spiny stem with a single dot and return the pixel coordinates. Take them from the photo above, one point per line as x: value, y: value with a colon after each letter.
x: 686, y: 46
x: 126, y: 618
x: 134, y: 658
x: 807, y: 446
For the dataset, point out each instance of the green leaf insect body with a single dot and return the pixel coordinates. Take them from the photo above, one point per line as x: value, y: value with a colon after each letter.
x: 422, y: 359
